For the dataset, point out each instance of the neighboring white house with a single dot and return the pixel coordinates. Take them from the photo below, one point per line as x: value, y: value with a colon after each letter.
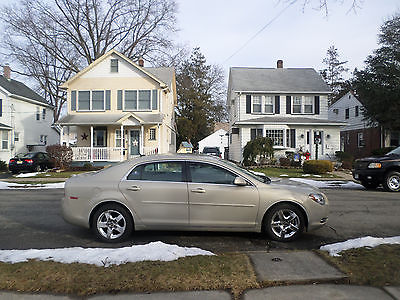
x: 359, y: 137
x: 217, y: 139
x: 25, y: 119
x: 288, y: 105
x: 118, y: 109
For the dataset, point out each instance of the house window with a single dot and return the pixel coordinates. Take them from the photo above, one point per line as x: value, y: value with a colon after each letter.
x: 139, y: 100
x: 114, y: 65
x: 356, y: 112
x: 275, y: 135
x: 269, y: 105
x: 43, y: 113
x: 37, y: 113
x: 336, y: 111
x: 347, y: 113
x: 308, y: 105
x: 16, y: 136
x: 144, y: 100
x: 130, y: 100
x: 256, y: 132
x: 118, y: 138
x: 4, y: 140
x: 256, y: 104
x: 360, y: 140
x: 100, y: 138
x: 84, y: 100
x: 152, y: 134
x: 297, y: 104
x: 43, y: 139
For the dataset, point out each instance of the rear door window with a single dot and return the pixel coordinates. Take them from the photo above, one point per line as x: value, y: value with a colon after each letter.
x: 159, y: 171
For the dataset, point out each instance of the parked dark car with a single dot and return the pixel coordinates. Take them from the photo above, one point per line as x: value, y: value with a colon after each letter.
x: 212, y: 151
x: 32, y: 161
x: 385, y: 170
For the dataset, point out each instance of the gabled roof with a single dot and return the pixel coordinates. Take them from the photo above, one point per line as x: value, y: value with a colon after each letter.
x: 4, y: 126
x: 146, y: 71
x: 17, y: 88
x: 279, y: 80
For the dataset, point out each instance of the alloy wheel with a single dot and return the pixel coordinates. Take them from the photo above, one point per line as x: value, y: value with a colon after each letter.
x: 111, y: 224
x: 285, y: 223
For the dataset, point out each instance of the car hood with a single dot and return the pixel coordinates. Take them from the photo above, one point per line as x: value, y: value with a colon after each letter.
x: 292, y: 188
x: 379, y: 158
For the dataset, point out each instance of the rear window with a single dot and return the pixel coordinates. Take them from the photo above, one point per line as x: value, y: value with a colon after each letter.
x: 29, y: 155
x: 210, y: 150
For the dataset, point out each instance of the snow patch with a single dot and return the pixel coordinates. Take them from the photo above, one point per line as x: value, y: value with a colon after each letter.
x: 330, y: 183
x: 284, y: 175
x: 155, y: 251
x: 368, y: 241
x: 12, y: 185
x: 23, y: 175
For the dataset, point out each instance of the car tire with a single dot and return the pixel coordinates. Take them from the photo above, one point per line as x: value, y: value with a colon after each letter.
x: 392, y: 182
x: 369, y: 185
x: 112, y: 223
x: 284, y: 222
x: 37, y: 168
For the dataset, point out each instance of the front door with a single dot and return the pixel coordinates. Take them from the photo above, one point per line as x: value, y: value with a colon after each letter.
x: 134, y: 142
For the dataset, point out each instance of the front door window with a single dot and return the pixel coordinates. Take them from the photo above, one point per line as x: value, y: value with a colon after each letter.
x: 134, y: 142
x: 100, y: 138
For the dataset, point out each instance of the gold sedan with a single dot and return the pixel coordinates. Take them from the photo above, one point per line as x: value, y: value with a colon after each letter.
x: 189, y: 192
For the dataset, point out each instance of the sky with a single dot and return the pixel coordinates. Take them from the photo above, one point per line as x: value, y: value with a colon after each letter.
x: 299, y: 37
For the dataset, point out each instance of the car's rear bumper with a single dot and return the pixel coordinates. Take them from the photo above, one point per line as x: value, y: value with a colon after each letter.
x: 22, y: 167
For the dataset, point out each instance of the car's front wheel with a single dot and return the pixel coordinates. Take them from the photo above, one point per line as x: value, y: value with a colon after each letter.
x: 112, y: 223
x: 392, y: 182
x: 284, y: 222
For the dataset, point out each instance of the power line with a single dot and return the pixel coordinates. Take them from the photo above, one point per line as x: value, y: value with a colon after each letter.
x: 261, y: 30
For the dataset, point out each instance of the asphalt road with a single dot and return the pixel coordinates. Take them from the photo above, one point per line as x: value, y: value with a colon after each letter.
x: 32, y: 219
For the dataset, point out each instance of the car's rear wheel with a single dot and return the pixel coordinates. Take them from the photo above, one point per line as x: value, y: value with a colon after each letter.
x: 284, y: 222
x: 369, y: 185
x: 392, y: 182
x: 112, y: 223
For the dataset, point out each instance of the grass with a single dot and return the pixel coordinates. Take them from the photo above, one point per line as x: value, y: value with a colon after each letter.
x: 226, y: 271
x: 292, y: 172
x: 379, y: 266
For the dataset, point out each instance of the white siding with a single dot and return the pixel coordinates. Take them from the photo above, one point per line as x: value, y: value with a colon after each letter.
x: 217, y: 139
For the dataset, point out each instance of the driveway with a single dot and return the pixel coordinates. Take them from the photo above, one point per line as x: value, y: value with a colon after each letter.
x: 32, y: 219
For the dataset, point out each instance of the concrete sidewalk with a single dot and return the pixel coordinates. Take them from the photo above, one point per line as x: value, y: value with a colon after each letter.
x: 294, y: 274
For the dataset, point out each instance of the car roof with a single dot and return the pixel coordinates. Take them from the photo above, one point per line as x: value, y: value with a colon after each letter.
x: 181, y: 156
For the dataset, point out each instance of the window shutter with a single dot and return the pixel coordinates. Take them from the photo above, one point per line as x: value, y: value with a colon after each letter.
x: 253, y: 133
x: 108, y: 99
x: 248, y: 104
x: 277, y: 105
x: 316, y: 105
x: 292, y: 138
x: 288, y: 105
x: 308, y: 138
x: 1, y: 107
x: 73, y: 100
x: 119, y: 100
x: 154, y: 100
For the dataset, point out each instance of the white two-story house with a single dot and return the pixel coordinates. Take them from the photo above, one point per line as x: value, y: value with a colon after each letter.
x: 25, y: 119
x: 288, y: 105
x: 120, y: 109
x: 359, y: 137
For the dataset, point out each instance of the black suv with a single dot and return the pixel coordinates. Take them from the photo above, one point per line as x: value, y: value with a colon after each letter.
x: 385, y: 170
x: 212, y: 151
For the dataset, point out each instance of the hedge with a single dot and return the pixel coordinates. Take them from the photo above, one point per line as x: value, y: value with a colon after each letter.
x: 317, y: 166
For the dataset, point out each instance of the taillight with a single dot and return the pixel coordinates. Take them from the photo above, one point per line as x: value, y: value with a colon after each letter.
x: 29, y: 161
x: 12, y: 160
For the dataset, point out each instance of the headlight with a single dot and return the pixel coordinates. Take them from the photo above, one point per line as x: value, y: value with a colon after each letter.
x: 375, y: 166
x: 320, y: 199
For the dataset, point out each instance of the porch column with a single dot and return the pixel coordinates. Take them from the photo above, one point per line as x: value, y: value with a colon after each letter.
x: 142, y: 140
x: 159, y: 139
x: 122, y: 143
x: 62, y: 135
x: 91, y: 143
x: 68, y: 135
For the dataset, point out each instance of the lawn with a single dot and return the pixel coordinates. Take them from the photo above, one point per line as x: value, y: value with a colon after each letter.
x: 292, y: 172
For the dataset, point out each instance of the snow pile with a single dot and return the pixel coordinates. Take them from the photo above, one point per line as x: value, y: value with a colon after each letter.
x: 368, y: 241
x: 103, y: 256
x: 330, y: 183
x: 11, y: 185
x: 23, y: 175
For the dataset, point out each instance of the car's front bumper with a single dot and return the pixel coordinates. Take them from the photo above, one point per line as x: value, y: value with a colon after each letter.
x: 368, y: 175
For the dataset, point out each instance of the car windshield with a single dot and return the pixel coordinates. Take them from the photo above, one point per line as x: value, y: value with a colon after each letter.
x: 395, y: 151
x: 29, y: 155
x: 252, y: 175
x: 210, y: 150
x: 19, y: 155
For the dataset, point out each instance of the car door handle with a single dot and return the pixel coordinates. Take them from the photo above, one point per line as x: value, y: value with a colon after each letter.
x: 199, y: 190
x: 134, y: 188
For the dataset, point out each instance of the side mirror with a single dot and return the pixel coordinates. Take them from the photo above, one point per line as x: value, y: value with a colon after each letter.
x: 239, y: 181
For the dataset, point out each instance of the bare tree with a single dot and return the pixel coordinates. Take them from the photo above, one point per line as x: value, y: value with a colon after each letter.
x: 323, y: 5
x: 53, y: 39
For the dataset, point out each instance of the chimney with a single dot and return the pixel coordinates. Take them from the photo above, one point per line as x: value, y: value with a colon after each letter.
x: 7, y: 71
x: 279, y: 64
x: 141, y: 62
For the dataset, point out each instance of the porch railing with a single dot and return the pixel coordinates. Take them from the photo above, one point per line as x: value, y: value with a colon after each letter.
x: 104, y: 153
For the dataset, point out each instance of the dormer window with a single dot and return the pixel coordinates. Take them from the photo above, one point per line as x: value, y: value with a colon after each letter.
x: 114, y: 65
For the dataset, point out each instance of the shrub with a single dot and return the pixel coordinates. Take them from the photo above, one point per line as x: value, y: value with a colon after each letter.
x: 344, y: 156
x: 61, y: 155
x: 3, y: 165
x: 260, y: 147
x: 317, y: 166
x: 284, y: 162
x: 382, y: 151
x: 347, y: 165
